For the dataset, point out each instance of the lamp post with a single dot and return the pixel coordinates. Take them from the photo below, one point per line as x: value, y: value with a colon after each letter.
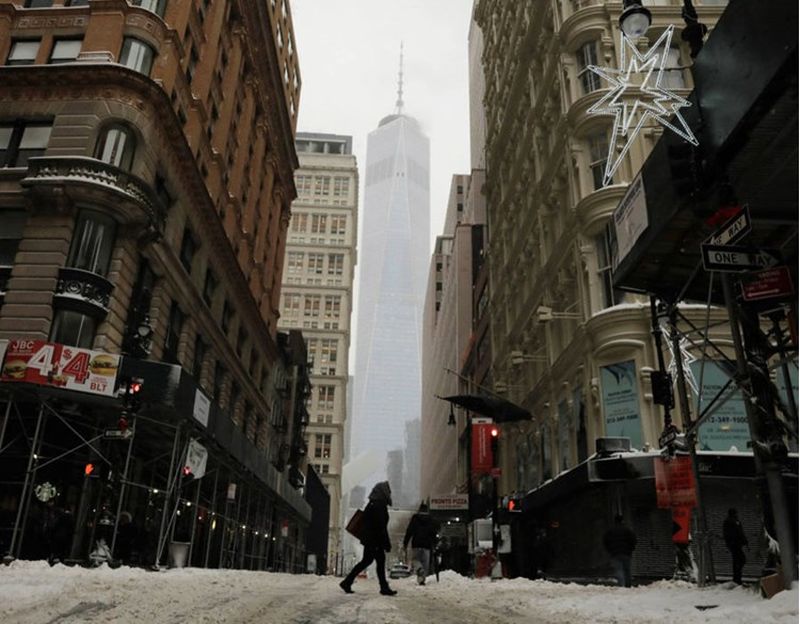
x: 634, y: 19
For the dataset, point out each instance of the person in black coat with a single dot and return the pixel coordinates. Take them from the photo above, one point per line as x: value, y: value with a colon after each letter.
x: 375, y: 538
x: 620, y: 543
x: 421, y: 532
x: 735, y: 540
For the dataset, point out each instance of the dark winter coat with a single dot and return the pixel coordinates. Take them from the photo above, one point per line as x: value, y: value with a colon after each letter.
x: 376, y: 518
x: 733, y: 533
x: 421, y: 531
x: 619, y: 540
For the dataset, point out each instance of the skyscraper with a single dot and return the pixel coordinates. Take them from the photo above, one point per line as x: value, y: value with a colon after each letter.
x: 394, y: 257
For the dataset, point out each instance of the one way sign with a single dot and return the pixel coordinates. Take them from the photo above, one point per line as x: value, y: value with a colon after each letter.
x: 735, y: 259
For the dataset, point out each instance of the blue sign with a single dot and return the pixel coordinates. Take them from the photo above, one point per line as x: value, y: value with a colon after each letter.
x: 621, y: 402
x: 727, y: 427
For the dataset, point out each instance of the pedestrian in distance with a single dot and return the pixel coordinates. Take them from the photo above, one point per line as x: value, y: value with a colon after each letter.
x: 421, y: 532
x: 735, y: 540
x: 375, y: 539
x: 620, y: 542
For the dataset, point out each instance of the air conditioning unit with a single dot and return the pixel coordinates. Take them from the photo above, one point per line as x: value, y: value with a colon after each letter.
x: 608, y: 446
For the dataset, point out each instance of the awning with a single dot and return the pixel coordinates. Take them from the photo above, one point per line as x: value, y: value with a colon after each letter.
x: 498, y: 409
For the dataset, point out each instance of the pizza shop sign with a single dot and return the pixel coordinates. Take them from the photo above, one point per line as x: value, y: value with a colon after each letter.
x: 61, y: 366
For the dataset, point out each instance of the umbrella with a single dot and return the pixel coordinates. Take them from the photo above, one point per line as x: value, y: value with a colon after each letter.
x: 498, y: 409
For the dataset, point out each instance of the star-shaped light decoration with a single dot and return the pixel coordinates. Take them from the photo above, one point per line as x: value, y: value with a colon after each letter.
x: 687, y: 357
x: 636, y: 96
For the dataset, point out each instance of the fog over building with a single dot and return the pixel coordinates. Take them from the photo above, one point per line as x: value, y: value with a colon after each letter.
x: 393, y: 265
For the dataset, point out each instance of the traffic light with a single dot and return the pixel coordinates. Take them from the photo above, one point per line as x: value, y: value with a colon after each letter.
x: 662, y: 389
x: 131, y: 390
x: 88, y: 469
x: 514, y: 505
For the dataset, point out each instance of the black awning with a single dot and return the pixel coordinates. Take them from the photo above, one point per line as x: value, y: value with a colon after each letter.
x: 498, y: 409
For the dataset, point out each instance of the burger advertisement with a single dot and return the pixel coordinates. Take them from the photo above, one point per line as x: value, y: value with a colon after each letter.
x: 52, y: 364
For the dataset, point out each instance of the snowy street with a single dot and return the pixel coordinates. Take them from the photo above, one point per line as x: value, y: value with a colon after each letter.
x: 34, y: 593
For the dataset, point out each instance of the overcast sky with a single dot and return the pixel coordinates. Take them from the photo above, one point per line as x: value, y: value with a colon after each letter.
x: 349, y: 54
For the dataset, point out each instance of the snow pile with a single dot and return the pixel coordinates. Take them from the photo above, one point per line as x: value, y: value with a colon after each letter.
x: 35, y: 593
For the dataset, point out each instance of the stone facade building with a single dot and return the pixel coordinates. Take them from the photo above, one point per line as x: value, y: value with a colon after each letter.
x: 147, y: 154
x: 317, y: 298
x: 560, y: 332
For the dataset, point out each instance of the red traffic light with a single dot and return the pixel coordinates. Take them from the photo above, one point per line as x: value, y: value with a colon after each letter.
x: 88, y: 469
x: 187, y: 471
x: 512, y: 504
x: 134, y: 387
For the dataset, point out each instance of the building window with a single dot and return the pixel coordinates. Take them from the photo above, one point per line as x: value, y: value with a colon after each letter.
x: 116, y: 146
x: 209, y: 287
x: 333, y: 306
x: 92, y: 242
x: 291, y: 304
x: 598, y: 156
x: 75, y: 3
x: 587, y: 55
x: 311, y: 307
x: 326, y: 397
x: 155, y: 6
x: 173, y: 337
x: 38, y: 4
x: 672, y: 78
x: 73, y: 328
x: 335, y: 264
x: 23, y: 52
x: 65, y: 50
x: 338, y: 224
x: 299, y: 222
x: 341, y: 187
x: 322, y: 446
x: 12, y: 223
x: 136, y: 55
x: 227, y: 315
x: 318, y: 223
x: 294, y: 262
x: 303, y: 184
x: 188, y: 249
x: 611, y: 296
x: 315, y: 263
x: 199, y: 355
x: 21, y: 141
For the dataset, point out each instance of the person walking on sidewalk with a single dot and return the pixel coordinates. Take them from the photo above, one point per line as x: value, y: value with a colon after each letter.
x: 421, y: 532
x: 620, y: 543
x: 375, y: 539
x: 735, y: 540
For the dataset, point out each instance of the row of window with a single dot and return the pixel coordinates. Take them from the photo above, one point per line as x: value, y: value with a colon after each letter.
x: 318, y: 223
x: 313, y: 262
x: 330, y: 306
x: 333, y: 186
x: 156, y: 6
x: 135, y: 54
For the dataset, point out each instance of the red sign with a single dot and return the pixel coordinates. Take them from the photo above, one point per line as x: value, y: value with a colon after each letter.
x: 681, y: 519
x: 675, y: 485
x: 51, y: 364
x: 769, y: 284
x: 482, y: 459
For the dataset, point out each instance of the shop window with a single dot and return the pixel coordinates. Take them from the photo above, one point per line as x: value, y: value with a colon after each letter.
x: 92, y: 242
x: 116, y: 146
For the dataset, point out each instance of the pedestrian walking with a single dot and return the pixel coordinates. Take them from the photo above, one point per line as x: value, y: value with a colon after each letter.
x: 421, y: 532
x: 375, y: 539
x: 620, y: 542
x: 735, y: 540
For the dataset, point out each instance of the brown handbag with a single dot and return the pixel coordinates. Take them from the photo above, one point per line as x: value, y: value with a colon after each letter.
x: 356, y: 525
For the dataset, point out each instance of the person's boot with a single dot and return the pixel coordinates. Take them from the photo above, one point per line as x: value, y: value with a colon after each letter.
x: 387, y: 591
x: 420, y: 576
x: 346, y: 587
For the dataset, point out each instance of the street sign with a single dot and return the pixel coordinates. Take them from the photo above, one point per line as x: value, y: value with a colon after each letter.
x: 668, y: 436
x: 770, y: 284
x: 733, y: 230
x: 117, y: 434
x: 735, y: 259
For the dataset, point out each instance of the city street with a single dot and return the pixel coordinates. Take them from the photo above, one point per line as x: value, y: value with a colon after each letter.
x: 34, y: 593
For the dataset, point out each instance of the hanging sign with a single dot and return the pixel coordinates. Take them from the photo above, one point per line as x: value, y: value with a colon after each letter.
x: 482, y: 459
x: 196, y: 459
x: 61, y: 366
x: 674, y: 479
x: 449, y: 502
x: 637, y: 95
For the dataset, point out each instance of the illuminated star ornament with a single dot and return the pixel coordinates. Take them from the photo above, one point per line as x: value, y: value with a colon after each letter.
x: 637, y: 95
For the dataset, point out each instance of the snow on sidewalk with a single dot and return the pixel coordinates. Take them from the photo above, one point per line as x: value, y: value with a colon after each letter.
x: 33, y: 592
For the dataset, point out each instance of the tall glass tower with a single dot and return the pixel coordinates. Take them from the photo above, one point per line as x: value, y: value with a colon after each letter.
x: 394, y: 257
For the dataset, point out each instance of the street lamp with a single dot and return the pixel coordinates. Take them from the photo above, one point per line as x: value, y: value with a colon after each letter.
x: 634, y: 19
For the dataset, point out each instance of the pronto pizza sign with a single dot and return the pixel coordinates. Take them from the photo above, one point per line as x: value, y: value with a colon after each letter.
x: 61, y: 366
